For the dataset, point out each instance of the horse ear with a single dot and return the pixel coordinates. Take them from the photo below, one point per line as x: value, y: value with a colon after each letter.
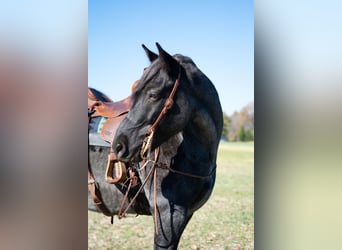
x: 167, y: 62
x: 151, y: 55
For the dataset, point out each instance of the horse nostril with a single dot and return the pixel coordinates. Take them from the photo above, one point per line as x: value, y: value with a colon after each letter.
x: 119, y: 147
x: 120, y: 150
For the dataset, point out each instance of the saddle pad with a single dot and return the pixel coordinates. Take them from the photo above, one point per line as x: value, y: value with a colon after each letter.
x: 95, y: 128
x: 96, y: 140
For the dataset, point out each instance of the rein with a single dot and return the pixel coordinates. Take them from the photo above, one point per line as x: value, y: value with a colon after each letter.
x: 146, y: 148
x: 144, y: 153
x: 155, y: 166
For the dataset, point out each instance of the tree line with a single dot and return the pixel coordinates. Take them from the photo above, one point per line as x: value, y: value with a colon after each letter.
x: 240, y: 125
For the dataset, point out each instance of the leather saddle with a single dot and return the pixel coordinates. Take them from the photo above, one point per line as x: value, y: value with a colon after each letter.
x: 99, y: 105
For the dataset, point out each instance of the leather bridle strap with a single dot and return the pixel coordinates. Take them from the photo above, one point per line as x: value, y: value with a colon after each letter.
x: 167, y: 106
x: 153, y: 170
x: 123, y: 214
x: 164, y: 166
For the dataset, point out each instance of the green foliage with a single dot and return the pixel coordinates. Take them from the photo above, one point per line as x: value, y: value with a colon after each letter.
x: 246, y: 135
x: 242, y: 134
x: 225, y: 126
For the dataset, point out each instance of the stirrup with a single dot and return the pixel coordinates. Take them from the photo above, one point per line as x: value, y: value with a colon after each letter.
x: 116, y: 171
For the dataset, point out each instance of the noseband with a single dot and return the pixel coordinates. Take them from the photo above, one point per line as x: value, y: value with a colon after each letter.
x: 167, y: 106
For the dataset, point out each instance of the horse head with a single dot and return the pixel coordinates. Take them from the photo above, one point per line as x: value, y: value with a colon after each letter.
x: 166, y: 99
x: 149, y: 99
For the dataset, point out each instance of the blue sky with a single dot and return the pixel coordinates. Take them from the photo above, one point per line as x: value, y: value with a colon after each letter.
x: 217, y: 35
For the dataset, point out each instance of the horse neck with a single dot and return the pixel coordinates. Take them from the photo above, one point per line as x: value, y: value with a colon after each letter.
x: 199, y: 148
x: 203, y: 132
x: 192, y: 150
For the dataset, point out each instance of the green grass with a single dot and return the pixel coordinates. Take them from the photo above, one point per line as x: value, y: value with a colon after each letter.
x: 226, y: 221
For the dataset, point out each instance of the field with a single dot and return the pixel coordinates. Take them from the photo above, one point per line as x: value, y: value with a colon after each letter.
x: 226, y: 221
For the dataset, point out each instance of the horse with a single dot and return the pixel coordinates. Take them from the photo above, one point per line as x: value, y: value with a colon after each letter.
x: 171, y: 136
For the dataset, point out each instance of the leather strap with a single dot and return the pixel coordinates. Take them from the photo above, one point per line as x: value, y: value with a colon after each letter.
x: 167, y: 106
x: 96, y: 195
x: 94, y: 189
x: 117, y: 167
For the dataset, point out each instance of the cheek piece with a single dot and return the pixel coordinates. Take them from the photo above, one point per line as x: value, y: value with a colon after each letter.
x: 167, y: 106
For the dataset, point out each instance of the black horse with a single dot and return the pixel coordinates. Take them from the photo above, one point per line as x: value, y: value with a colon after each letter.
x: 173, y: 129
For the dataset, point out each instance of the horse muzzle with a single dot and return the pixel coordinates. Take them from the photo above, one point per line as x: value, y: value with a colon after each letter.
x: 126, y: 152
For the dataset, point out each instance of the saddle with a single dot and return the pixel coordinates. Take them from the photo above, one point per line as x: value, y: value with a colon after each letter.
x: 99, y: 105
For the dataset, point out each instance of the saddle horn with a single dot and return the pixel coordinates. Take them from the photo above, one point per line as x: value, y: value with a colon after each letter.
x: 151, y: 55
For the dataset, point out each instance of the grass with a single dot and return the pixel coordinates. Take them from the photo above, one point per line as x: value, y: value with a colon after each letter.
x: 226, y: 221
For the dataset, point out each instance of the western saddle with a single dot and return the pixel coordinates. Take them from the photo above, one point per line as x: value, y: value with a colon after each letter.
x: 99, y: 105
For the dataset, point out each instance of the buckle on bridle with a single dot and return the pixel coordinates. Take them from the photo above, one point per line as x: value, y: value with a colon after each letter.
x: 146, y: 144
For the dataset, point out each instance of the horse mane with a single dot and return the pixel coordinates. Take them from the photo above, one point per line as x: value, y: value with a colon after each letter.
x: 202, y: 88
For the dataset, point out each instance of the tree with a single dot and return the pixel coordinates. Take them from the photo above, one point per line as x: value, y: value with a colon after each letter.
x: 234, y: 127
x: 225, y: 126
x: 245, y: 135
x: 242, y: 134
x: 240, y: 125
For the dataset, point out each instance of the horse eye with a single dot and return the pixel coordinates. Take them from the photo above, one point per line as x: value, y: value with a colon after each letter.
x: 153, y: 96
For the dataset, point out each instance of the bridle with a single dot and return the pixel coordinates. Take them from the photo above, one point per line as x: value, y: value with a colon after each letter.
x: 145, y: 155
x: 167, y: 106
x: 147, y: 143
x: 146, y: 148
